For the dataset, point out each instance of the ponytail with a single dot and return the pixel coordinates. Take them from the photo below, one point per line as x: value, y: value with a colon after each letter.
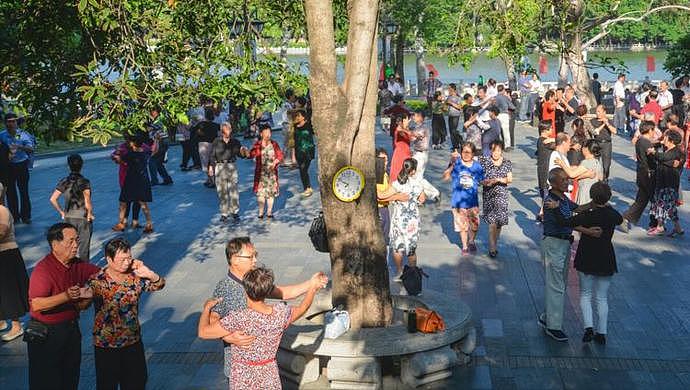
x: 409, y: 165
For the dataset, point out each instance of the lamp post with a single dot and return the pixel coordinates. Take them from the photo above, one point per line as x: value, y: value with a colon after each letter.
x: 391, y: 29
x: 240, y: 26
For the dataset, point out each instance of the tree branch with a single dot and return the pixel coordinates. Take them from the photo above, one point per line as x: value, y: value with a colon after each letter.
x: 626, y: 17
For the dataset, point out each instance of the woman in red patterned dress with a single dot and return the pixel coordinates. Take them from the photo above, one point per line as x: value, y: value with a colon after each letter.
x: 401, y: 146
x: 254, y: 367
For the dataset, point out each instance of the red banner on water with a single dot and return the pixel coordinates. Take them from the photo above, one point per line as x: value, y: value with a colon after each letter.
x: 432, y: 68
x: 543, y: 65
x: 651, y: 65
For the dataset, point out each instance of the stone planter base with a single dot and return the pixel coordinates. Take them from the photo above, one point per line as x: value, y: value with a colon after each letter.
x: 354, y: 360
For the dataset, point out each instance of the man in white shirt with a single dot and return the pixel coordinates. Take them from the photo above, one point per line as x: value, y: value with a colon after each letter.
x: 665, y: 98
x: 395, y: 86
x: 619, y: 103
x: 576, y: 172
x: 482, y: 103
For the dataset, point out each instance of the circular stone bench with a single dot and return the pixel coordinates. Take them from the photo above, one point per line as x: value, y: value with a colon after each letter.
x: 353, y: 359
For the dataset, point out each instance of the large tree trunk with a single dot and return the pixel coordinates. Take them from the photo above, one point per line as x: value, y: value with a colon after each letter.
x: 400, y: 55
x: 563, y: 69
x: 343, y: 118
x: 578, y: 68
x: 421, y: 66
x: 510, y: 72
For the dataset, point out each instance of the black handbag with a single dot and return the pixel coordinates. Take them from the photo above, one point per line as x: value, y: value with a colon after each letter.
x: 35, y: 332
x: 318, y: 235
x: 412, y: 279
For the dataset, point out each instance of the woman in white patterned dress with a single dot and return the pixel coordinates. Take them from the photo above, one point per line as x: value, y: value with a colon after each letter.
x: 405, y: 220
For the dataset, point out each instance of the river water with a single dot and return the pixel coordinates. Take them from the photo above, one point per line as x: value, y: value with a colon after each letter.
x: 636, y: 63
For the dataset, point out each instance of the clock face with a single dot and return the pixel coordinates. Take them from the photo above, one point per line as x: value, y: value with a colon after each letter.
x: 348, y: 183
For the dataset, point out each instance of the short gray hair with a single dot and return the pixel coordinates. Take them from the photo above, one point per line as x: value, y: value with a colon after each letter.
x: 225, y: 124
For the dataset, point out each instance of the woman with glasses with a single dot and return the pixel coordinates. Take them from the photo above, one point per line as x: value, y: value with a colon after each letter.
x: 466, y: 174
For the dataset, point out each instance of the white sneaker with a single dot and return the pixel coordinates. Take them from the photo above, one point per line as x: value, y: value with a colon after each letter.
x: 11, y: 336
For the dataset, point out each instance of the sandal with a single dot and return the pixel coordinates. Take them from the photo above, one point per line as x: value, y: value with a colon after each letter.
x: 148, y: 228
x: 261, y: 216
x: 120, y: 227
x: 493, y: 254
x: 269, y: 216
x: 135, y: 225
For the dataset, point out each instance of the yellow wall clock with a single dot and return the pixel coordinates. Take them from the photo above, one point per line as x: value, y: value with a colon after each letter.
x: 348, y: 183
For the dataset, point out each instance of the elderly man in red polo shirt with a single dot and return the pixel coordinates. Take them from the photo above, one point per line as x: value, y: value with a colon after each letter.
x: 56, y: 295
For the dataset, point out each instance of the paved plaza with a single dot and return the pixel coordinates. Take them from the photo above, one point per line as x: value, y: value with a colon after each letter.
x: 649, y: 320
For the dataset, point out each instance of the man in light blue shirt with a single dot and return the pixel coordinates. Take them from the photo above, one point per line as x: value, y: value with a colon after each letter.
x: 21, y: 146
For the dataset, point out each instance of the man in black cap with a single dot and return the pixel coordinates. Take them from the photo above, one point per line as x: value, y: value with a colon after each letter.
x: 20, y: 145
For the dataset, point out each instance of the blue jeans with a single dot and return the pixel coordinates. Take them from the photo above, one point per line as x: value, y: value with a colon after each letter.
x: 157, y: 167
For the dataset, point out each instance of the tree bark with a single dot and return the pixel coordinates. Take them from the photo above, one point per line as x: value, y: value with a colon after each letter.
x: 578, y: 68
x: 510, y: 72
x: 421, y: 66
x: 344, y: 118
x: 563, y: 69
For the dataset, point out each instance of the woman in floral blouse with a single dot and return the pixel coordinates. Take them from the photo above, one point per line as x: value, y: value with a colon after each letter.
x: 119, y: 353
x: 268, y: 156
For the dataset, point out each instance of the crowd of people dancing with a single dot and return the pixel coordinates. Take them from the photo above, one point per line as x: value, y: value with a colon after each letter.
x: 475, y: 132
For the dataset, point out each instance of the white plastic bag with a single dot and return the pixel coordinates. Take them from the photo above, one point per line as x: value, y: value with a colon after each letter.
x: 336, y: 323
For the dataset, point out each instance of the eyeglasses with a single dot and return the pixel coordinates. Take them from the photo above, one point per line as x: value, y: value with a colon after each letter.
x: 252, y: 256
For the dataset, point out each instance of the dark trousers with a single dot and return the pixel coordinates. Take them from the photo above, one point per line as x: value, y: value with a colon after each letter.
x: 455, y: 137
x: 194, y: 147
x: 186, y: 152
x: 511, y: 130
x: 157, y: 167
x: 303, y: 162
x: 18, y: 178
x: 430, y: 102
x: 606, y: 150
x: 438, y: 129
x: 125, y: 367
x: 645, y: 191
x: 136, y: 208
x: 84, y: 231
x: 54, y: 363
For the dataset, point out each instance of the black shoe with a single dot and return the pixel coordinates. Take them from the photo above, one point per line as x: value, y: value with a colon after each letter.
x: 196, y: 167
x: 208, y: 184
x: 493, y: 254
x: 223, y: 218
x: 438, y: 199
x: 589, y: 334
x: 235, y: 217
x: 167, y: 182
x: 600, y: 339
x: 557, y: 334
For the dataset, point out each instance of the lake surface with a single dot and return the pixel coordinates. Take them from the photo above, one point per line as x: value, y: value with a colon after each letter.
x: 636, y: 62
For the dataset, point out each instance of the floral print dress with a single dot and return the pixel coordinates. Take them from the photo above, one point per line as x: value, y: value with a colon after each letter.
x: 495, y: 197
x: 405, y: 219
x: 268, y: 184
x: 255, y: 367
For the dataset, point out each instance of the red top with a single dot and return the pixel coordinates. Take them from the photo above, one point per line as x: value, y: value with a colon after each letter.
x: 655, y: 109
x: 255, y: 153
x: 548, y: 112
x: 401, y: 152
x: 51, y: 277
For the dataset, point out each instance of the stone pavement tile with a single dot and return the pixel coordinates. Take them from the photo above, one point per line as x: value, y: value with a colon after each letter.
x: 492, y: 327
x: 537, y: 378
x: 473, y: 377
x: 207, y: 376
x: 596, y: 379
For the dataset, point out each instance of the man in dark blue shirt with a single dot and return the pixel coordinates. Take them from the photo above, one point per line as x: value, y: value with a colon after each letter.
x: 555, y: 252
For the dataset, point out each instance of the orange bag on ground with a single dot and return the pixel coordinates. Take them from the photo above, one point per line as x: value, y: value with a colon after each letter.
x: 428, y: 321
